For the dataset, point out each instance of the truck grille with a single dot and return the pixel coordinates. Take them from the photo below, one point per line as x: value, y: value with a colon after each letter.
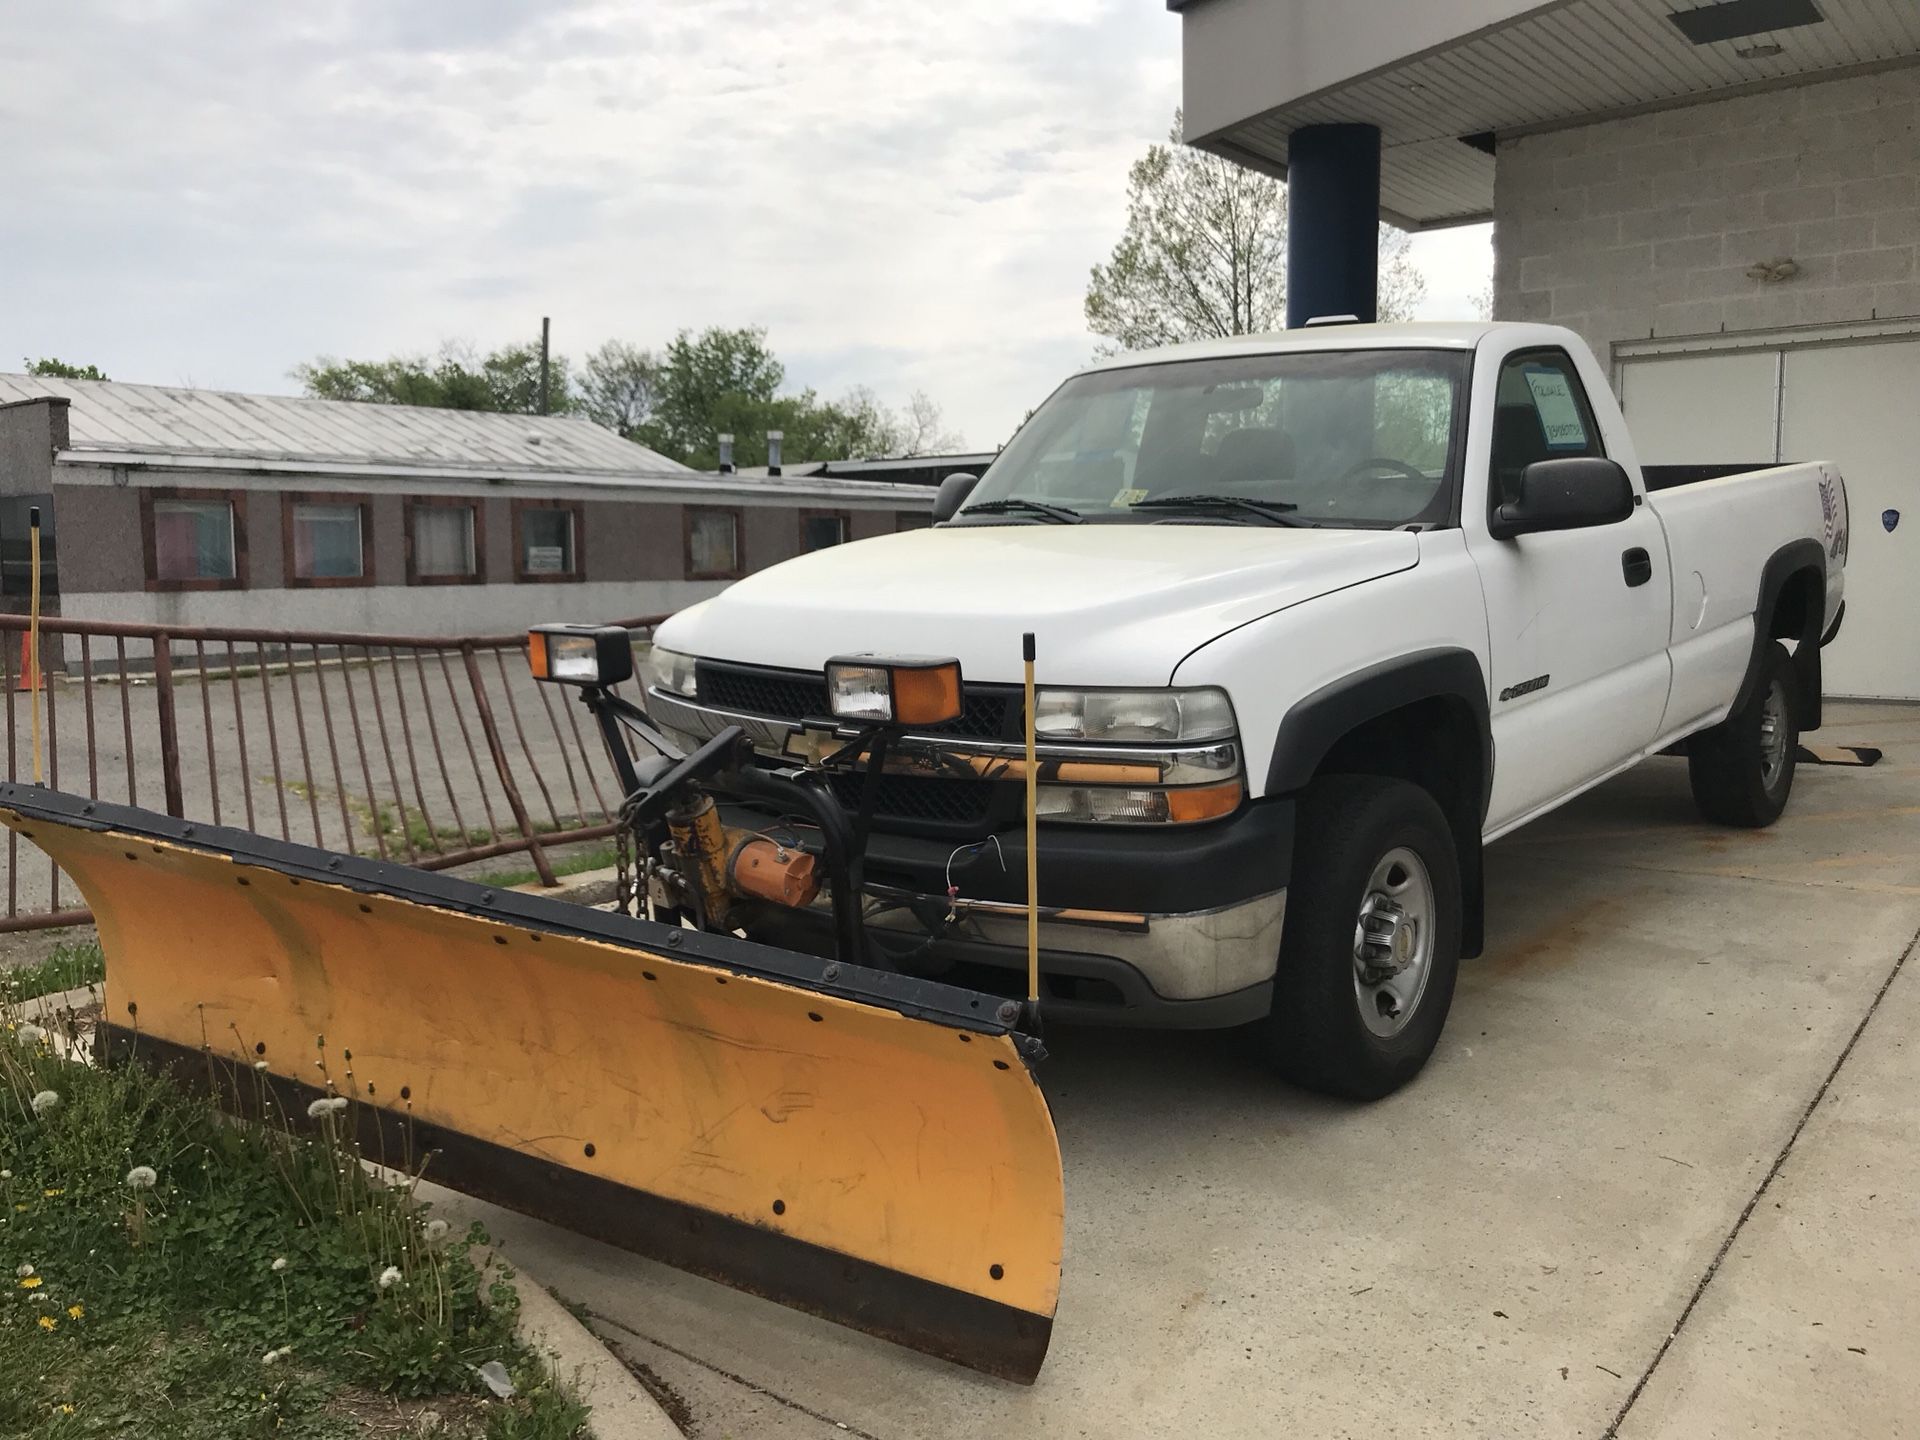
x: 938, y: 803
x: 925, y: 800
x: 989, y: 712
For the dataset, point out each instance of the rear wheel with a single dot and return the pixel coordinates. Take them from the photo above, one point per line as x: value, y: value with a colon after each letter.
x: 1742, y: 769
x: 1372, y: 939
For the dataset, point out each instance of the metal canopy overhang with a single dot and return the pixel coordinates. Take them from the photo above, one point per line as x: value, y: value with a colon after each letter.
x: 1256, y: 72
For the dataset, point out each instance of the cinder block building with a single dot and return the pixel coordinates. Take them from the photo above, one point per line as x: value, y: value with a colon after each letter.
x: 195, y: 507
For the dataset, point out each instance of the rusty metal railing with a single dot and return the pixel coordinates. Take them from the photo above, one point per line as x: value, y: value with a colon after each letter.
x: 435, y: 751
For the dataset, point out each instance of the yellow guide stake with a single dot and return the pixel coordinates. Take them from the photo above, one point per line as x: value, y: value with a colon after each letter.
x: 1033, y: 849
x: 33, y: 634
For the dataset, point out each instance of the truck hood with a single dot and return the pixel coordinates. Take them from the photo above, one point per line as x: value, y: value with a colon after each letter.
x: 1108, y: 604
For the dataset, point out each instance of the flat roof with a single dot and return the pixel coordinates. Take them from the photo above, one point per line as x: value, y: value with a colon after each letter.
x: 1446, y: 79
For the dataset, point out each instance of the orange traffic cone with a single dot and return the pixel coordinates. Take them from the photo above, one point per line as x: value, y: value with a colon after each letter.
x: 29, y: 677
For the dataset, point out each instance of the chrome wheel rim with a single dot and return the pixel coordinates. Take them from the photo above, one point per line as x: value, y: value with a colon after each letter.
x: 1773, y: 735
x: 1393, y: 942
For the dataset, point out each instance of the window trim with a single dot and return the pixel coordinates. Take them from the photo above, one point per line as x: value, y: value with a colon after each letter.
x: 292, y: 499
x: 478, y: 510
x: 1587, y: 416
x: 739, y: 541
x: 236, y: 502
x: 845, y: 517
x: 521, y: 574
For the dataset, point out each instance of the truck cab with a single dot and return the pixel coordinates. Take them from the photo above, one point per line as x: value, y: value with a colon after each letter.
x: 1316, y: 616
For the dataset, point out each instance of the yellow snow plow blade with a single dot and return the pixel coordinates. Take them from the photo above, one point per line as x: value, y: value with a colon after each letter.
x: 866, y: 1146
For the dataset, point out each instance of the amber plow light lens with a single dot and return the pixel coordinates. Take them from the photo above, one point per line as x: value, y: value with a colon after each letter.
x: 873, y: 1149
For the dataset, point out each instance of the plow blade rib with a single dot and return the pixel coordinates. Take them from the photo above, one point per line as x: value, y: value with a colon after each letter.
x: 868, y: 1147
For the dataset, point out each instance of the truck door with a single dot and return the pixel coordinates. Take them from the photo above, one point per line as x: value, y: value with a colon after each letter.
x: 1577, y: 620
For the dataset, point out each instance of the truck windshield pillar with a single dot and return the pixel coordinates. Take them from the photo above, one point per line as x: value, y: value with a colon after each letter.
x: 1333, y: 214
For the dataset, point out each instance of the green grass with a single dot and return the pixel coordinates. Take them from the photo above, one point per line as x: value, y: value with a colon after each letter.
x: 67, y: 968
x: 151, y: 1310
x: 599, y: 858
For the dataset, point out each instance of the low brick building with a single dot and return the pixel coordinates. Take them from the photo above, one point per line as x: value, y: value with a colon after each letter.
x: 195, y: 507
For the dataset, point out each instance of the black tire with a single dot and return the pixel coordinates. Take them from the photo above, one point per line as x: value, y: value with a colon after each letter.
x: 1742, y: 769
x: 1318, y: 1034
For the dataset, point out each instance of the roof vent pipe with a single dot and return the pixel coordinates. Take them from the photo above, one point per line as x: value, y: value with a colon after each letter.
x: 774, y: 437
x: 726, y: 454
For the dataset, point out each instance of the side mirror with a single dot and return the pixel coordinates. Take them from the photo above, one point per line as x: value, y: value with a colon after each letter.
x: 954, y: 491
x: 1569, y: 494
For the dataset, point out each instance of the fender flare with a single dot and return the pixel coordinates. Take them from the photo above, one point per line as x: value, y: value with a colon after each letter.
x: 1316, y: 723
x: 1785, y: 563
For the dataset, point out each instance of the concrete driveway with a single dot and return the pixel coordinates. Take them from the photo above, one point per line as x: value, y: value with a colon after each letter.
x: 1662, y: 1178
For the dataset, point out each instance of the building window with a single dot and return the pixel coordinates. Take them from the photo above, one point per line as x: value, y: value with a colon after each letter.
x: 713, y: 545
x: 194, y: 539
x: 329, y: 540
x: 548, y: 540
x: 445, y: 542
x: 820, y: 528
x: 16, y: 546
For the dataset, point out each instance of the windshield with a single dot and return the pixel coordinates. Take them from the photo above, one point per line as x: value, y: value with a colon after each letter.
x: 1344, y: 438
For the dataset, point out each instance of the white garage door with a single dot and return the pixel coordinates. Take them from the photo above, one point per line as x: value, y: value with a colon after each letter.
x: 1856, y: 404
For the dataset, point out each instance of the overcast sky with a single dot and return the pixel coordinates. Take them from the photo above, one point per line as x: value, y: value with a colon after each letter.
x: 906, y: 193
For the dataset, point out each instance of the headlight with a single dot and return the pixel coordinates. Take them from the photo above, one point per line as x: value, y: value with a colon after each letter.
x: 669, y: 670
x: 883, y: 691
x: 580, y: 654
x: 1165, y: 715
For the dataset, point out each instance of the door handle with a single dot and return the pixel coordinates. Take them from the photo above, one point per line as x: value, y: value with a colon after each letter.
x: 1637, y: 566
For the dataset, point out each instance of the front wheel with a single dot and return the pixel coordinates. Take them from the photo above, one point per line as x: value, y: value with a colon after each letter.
x: 1372, y: 939
x: 1742, y: 769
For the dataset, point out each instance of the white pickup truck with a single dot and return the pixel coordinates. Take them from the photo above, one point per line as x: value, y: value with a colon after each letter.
x: 1318, y: 615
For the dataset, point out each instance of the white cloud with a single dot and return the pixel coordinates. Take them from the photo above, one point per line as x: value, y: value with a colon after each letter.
x: 907, y: 195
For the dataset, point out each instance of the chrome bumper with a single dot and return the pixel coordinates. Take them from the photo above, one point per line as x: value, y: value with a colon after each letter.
x: 1192, y: 956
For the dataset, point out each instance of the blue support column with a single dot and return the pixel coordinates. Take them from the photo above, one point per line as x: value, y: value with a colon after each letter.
x: 1333, y: 211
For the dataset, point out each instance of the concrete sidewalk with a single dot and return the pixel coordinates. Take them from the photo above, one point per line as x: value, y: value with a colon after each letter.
x: 1673, y: 1099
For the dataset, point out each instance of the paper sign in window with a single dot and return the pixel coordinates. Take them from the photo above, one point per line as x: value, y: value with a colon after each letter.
x: 1559, y: 411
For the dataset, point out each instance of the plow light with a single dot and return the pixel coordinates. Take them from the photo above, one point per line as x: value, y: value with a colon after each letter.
x: 580, y: 654
x: 894, y: 692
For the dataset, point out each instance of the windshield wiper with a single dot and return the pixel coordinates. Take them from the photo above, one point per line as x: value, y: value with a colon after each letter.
x: 1275, y: 511
x: 1057, y: 513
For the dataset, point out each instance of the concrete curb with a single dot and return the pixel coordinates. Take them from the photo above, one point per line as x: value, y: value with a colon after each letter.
x: 588, y: 887
x: 622, y: 1408
x: 61, y: 1001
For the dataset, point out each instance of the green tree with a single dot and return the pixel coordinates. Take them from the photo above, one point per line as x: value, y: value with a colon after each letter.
x: 728, y: 382
x: 618, y: 387
x: 506, y: 379
x: 60, y: 370
x: 1204, y: 254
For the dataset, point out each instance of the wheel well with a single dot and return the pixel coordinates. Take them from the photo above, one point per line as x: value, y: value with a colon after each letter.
x: 1436, y: 744
x: 1799, y: 614
x: 1800, y: 607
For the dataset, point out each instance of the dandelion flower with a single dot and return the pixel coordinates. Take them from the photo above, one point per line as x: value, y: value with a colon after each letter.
x: 389, y: 1277
x: 30, y: 1035
x: 436, y: 1230
x: 52, y: 1194
x: 32, y: 1282
x: 46, y: 1102
x: 141, y: 1177
x: 47, y: 1322
x: 24, y: 1271
x: 259, y: 1064
x: 6, y: 1174
x: 279, y: 1263
x: 76, y: 1312
x: 271, y: 1357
